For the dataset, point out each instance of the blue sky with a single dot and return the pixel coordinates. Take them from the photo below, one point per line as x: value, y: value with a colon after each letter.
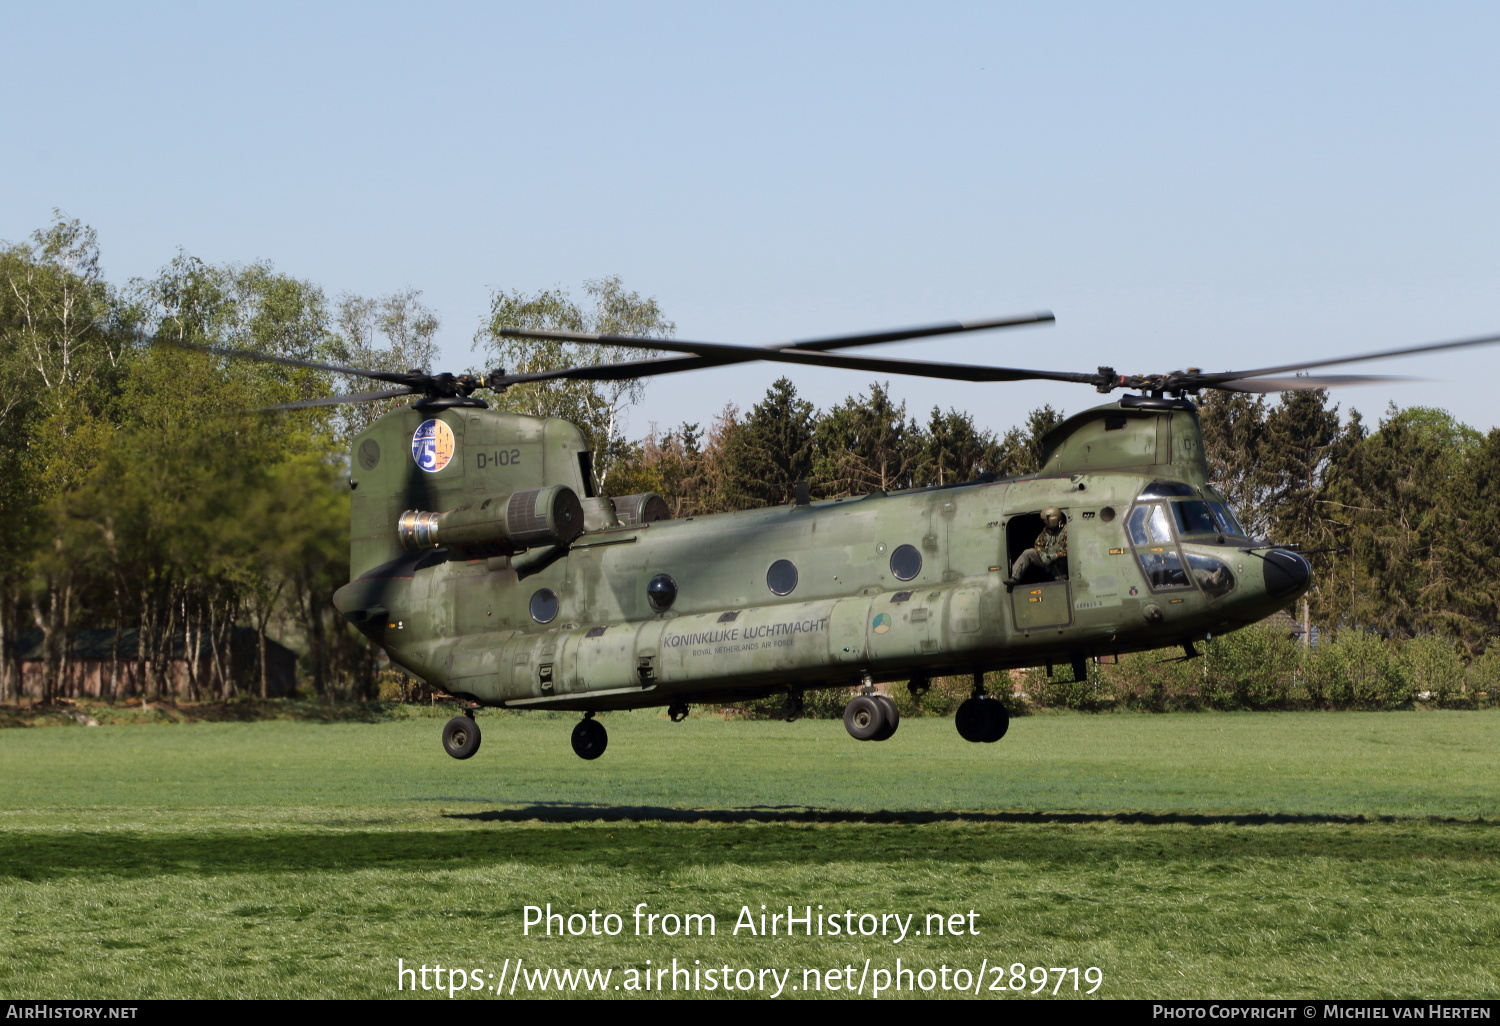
x: 1215, y: 185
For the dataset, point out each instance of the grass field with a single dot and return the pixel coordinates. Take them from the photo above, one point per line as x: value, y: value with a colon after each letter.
x: 1209, y: 855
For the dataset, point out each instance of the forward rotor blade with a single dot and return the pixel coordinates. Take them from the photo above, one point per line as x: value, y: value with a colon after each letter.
x: 339, y: 400
x: 1304, y: 384
x: 1432, y: 347
x: 922, y: 368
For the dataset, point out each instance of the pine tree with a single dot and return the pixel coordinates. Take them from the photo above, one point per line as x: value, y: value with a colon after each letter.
x: 1020, y: 451
x: 865, y: 444
x: 772, y: 448
x: 952, y: 449
x: 1397, y: 497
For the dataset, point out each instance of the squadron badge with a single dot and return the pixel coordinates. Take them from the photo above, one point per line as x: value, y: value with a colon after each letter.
x: 432, y: 446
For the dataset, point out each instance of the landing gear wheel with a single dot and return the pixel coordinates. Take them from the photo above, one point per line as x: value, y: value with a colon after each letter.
x: 866, y: 719
x: 892, y: 717
x: 999, y: 722
x: 590, y: 739
x: 461, y: 737
x: 982, y: 719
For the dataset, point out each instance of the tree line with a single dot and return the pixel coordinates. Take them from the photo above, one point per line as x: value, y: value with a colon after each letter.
x: 1402, y: 518
x: 865, y: 444
x: 145, y: 495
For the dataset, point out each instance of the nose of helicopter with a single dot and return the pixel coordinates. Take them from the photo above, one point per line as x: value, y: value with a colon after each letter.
x: 1286, y: 573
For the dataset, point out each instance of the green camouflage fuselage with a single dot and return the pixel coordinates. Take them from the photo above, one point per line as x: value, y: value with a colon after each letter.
x: 570, y: 625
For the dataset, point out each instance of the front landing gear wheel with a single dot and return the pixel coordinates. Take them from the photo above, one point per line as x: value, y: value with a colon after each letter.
x: 868, y: 718
x: 461, y: 737
x: 982, y: 719
x: 590, y: 739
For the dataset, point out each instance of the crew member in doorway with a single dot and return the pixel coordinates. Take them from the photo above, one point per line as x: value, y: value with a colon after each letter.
x: 1050, y: 553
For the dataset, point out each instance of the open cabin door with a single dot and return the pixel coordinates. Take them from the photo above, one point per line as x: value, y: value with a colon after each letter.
x: 1043, y: 597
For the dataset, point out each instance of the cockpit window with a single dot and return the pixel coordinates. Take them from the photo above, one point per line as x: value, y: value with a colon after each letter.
x: 1164, y: 567
x: 1148, y: 526
x: 1168, y: 490
x: 1195, y: 517
x: 1151, y: 533
x: 1212, y: 575
x: 1227, y: 523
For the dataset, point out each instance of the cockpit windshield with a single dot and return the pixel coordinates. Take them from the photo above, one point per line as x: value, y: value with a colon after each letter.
x: 1196, y: 517
x: 1197, y: 513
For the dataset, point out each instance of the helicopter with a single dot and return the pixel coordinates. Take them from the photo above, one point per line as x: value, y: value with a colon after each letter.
x: 484, y: 561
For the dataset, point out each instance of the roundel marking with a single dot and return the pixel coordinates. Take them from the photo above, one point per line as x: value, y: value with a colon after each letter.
x: 881, y: 623
x: 432, y: 446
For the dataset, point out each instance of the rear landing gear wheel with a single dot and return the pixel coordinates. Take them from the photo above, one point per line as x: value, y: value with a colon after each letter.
x: 982, y: 719
x: 590, y: 739
x: 461, y: 737
x: 867, y: 718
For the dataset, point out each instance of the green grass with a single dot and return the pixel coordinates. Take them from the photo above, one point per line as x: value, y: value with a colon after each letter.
x: 1209, y: 855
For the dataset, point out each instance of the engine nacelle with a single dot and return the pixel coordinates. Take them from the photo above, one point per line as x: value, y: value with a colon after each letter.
x: 536, y: 516
x: 644, y: 508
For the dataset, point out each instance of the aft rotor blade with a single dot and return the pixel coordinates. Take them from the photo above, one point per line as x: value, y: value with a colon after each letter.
x: 719, y: 355
x: 902, y: 334
x: 671, y: 345
x: 623, y: 371
x: 702, y: 355
x: 395, y: 377
x: 809, y: 352
x: 739, y: 353
x: 1432, y: 347
x: 338, y: 400
x: 1304, y: 384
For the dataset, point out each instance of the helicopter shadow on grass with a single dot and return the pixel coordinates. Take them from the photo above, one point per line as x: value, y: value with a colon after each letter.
x: 739, y: 835
x: 582, y: 812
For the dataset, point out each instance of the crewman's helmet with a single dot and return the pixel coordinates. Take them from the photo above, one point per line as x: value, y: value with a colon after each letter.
x: 1052, y: 517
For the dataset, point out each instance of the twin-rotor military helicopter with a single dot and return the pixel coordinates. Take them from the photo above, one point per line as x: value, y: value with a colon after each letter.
x: 485, y: 562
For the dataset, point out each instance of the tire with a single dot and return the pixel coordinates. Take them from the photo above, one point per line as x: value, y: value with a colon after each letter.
x: 865, y: 718
x: 973, y: 719
x: 999, y: 721
x: 460, y: 737
x: 892, y: 717
x: 590, y: 739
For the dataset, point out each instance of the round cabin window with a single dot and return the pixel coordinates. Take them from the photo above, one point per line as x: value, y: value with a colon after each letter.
x: 661, y: 592
x: 782, y: 577
x: 544, y: 605
x: 906, y: 562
